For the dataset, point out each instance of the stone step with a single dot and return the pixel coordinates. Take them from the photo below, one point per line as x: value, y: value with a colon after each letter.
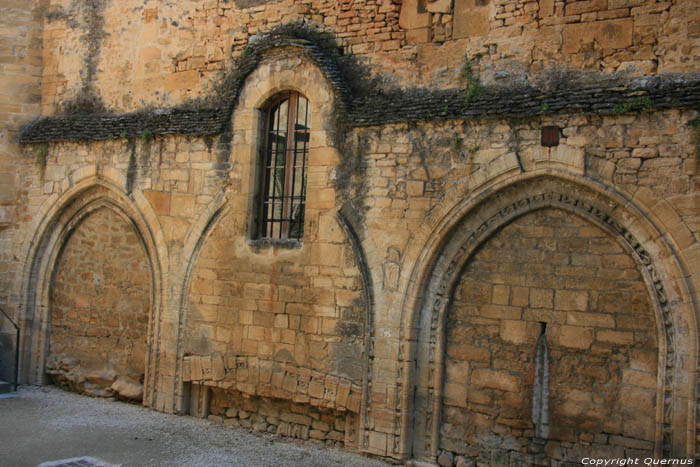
x: 5, y: 387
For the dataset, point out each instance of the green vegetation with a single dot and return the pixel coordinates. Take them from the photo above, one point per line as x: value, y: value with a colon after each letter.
x: 473, y: 86
x: 42, y: 153
x: 146, y: 136
x: 639, y: 103
x: 457, y: 142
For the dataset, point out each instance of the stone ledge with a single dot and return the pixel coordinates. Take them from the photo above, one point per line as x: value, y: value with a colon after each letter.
x: 268, y: 378
x: 650, y: 93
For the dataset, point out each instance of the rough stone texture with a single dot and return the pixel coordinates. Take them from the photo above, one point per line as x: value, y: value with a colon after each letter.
x: 101, y: 303
x: 272, y: 379
x: 409, y: 162
x: 168, y: 52
x: 608, y: 98
x: 295, y: 420
x: 306, y: 308
x: 550, y: 267
x: 20, y: 99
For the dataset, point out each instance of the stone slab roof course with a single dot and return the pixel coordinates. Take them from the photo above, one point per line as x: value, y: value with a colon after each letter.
x: 606, y: 99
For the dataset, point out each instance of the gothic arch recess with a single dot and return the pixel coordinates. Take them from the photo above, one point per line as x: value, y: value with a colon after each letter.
x: 423, y: 343
x: 198, y: 236
x: 219, y: 214
x: 55, y: 228
x: 230, y: 226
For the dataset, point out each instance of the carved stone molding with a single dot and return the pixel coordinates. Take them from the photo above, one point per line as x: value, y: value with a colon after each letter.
x: 463, y: 240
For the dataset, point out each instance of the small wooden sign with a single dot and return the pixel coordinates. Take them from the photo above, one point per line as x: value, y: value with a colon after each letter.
x: 550, y: 136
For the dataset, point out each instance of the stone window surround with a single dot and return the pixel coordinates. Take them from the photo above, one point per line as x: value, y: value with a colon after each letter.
x: 291, y: 184
x: 295, y: 73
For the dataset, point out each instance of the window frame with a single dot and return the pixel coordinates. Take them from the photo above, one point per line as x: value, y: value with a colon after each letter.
x: 266, y: 226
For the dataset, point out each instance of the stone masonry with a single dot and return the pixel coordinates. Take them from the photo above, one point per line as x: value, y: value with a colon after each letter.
x: 90, y: 350
x: 20, y: 101
x: 500, y: 261
x: 550, y: 267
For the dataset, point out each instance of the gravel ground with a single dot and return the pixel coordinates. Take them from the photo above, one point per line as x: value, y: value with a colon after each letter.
x: 41, y: 424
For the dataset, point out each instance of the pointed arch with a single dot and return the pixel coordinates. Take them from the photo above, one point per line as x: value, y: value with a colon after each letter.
x: 195, y: 239
x: 59, y: 216
x: 344, y: 219
x: 422, y: 345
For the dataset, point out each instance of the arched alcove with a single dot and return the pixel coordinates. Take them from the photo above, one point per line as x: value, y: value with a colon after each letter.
x: 549, y: 275
x: 278, y: 321
x: 53, y: 288
x: 100, y: 304
x: 425, y: 327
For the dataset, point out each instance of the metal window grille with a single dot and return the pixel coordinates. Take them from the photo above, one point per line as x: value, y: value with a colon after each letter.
x: 284, y: 176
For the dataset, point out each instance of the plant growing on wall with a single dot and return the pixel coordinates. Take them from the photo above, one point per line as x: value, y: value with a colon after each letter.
x: 42, y: 153
x: 640, y: 103
x: 146, y: 136
x: 457, y: 142
x: 473, y: 86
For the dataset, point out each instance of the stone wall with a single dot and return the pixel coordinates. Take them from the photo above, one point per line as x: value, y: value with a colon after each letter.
x: 550, y: 267
x: 287, y: 322
x: 403, y: 179
x: 301, y: 305
x: 416, y: 174
x: 162, y: 53
x: 316, y: 424
x: 349, y: 331
x: 101, y: 305
x: 20, y: 99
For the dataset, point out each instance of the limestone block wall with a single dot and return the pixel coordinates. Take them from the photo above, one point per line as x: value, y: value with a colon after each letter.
x: 415, y: 175
x: 297, y: 305
x: 302, y: 421
x: 408, y: 179
x: 100, y: 308
x: 280, y: 323
x: 349, y: 335
x: 161, y: 53
x: 20, y: 99
x: 554, y: 268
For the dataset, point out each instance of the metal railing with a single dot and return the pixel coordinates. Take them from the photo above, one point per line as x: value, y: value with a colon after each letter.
x: 16, y: 347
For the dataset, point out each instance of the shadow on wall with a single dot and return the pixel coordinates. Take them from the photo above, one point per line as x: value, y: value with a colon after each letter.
x: 7, y: 355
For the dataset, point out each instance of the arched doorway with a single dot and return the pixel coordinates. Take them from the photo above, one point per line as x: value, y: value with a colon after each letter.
x: 550, y: 347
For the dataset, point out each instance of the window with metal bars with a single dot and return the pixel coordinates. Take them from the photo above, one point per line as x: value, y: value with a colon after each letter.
x: 285, y: 159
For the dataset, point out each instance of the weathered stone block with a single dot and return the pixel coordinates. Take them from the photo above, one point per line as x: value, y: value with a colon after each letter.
x: 616, y: 337
x: 571, y: 300
x: 495, y: 380
x: 610, y: 34
x: 514, y: 331
x: 471, y: 18
x: 541, y: 298
x: 590, y: 319
x: 7, y: 187
x: 576, y: 336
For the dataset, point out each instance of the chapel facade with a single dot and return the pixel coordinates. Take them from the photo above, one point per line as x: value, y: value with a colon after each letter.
x: 442, y: 231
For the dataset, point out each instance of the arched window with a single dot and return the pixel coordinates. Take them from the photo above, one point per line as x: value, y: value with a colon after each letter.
x: 286, y: 156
